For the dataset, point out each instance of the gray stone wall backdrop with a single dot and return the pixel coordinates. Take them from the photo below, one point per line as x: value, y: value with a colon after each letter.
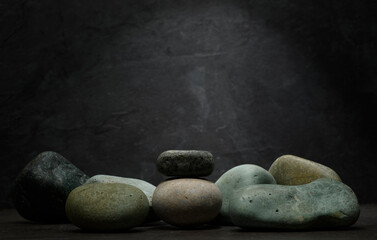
x: 112, y: 84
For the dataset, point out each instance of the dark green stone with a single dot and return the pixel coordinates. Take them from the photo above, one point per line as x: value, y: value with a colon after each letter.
x: 185, y: 163
x: 324, y: 203
x: 42, y: 187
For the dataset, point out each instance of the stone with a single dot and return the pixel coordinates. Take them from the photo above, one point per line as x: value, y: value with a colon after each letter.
x: 42, y: 187
x: 187, y: 202
x: 185, y: 163
x: 238, y: 177
x: 323, y: 203
x: 107, y: 207
x: 292, y: 170
x: 144, y: 186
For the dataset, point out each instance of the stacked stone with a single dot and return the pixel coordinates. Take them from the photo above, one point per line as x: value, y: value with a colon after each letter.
x: 186, y: 200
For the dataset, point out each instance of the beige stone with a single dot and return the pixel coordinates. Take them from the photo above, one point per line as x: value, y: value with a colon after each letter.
x: 187, y: 202
x: 292, y: 170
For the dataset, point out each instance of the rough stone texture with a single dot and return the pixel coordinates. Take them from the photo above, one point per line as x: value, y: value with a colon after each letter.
x: 187, y: 202
x: 42, y: 187
x: 324, y: 203
x: 292, y: 170
x: 185, y: 163
x: 144, y: 186
x: 239, y: 177
x: 107, y: 206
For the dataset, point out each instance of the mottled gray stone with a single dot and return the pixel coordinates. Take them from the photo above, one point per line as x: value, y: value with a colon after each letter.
x: 144, y: 186
x: 236, y: 178
x: 185, y: 163
x: 324, y: 203
x: 42, y: 187
x: 107, y: 207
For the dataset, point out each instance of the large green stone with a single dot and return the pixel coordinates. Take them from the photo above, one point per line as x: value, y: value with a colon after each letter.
x: 292, y: 170
x: 42, y: 187
x: 107, y: 206
x: 324, y: 203
x: 238, y: 177
x: 185, y: 163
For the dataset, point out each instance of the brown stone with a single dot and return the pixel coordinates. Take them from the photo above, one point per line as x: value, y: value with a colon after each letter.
x: 292, y: 170
x: 187, y: 202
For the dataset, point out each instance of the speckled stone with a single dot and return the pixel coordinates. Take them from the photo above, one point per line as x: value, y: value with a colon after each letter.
x: 236, y: 178
x: 42, y: 187
x: 292, y: 170
x: 185, y: 163
x: 324, y: 203
x: 187, y: 202
x: 144, y: 186
x: 107, y: 207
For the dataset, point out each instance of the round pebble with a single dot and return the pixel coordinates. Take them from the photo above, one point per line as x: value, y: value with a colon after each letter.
x: 187, y: 202
x: 144, y: 186
x: 107, y: 206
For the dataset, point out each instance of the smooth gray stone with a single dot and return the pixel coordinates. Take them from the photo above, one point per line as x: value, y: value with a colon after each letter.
x: 185, y: 163
x: 236, y: 178
x: 107, y: 207
x: 324, y: 203
x: 42, y: 187
x: 144, y: 186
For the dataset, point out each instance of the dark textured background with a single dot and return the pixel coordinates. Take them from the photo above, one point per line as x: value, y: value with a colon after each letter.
x: 112, y: 84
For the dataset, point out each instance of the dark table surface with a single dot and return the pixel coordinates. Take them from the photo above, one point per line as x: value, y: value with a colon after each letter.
x: 12, y: 226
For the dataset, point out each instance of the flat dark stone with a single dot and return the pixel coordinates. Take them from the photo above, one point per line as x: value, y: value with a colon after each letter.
x: 185, y: 163
x: 42, y: 187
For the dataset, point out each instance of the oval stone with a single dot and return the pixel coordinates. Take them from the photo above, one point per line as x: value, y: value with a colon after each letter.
x: 324, y: 203
x: 107, y: 206
x: 236, y: 178
x: 185, y: 163
x: 292, y: 170
x: 42, y: 187
x: 187, y: 202
x: 144, y: 186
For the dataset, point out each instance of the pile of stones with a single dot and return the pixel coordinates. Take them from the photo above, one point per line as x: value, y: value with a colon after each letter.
x: 186, y: 201
x: 295, y: 193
